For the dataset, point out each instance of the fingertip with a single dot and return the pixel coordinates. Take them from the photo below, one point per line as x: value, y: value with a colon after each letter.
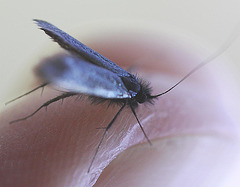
x: 64, y: 138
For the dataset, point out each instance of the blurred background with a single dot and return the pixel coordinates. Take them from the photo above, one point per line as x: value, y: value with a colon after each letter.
x: 205, y: 23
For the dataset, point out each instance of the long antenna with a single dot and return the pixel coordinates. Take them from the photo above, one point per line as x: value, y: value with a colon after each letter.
x: 219, y: 52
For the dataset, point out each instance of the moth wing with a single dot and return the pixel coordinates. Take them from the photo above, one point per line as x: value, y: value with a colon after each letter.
x: 73, y: 74
x: 71, y: 44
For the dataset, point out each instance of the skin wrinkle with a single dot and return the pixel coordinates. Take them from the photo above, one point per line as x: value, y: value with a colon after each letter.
x: 129, y: 135
x: 71, y: 128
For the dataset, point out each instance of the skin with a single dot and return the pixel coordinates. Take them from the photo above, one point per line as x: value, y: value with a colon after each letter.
x: 195, y: 143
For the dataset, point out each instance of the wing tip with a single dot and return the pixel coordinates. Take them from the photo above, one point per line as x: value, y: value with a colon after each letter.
x: 39, y: 21
x: 42, y: 24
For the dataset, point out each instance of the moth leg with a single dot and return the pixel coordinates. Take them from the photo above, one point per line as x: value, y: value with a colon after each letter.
x: 41, y: 86
x: 140, y: 125
x: 105, y: 133
x: 65, y: 95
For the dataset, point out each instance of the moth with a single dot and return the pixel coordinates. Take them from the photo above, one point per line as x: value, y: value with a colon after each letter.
x: 86, y: 72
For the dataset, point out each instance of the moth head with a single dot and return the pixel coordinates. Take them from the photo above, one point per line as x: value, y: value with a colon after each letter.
x: 144, y: 94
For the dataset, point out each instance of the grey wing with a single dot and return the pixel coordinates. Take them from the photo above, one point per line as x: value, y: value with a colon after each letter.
x: 71, y: 44
x: 73, y: 74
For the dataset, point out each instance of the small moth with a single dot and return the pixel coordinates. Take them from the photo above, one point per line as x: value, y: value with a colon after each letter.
x: 86, y: 72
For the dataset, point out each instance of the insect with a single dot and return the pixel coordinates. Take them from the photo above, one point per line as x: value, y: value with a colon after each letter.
x: 86, y: 72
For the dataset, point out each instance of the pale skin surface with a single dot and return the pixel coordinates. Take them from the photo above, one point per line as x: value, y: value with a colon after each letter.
x: 194, y: 142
